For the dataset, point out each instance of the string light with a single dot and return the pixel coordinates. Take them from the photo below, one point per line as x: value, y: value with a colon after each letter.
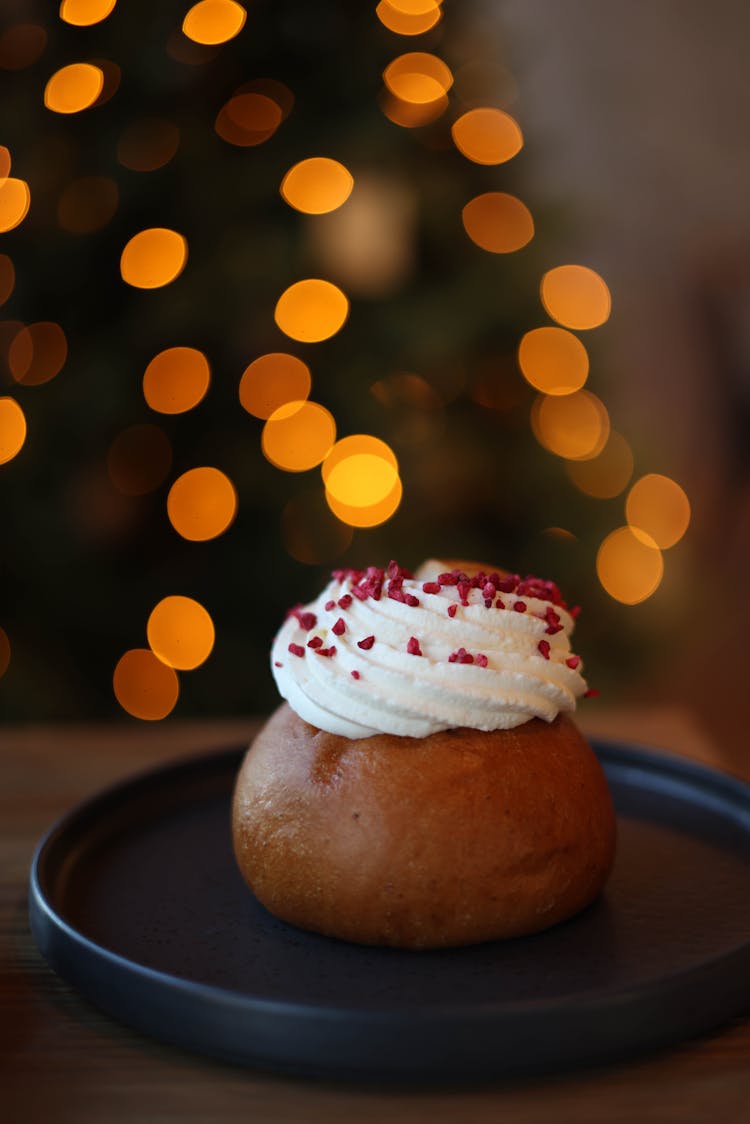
x: 249, y: 119
x: 487, y: 136
x: 176, y: 380
x: 576, y: 296
x: 298, y: 436
x: 202, y: 504
x: 658, y: 507
x: 148, y: 145
x: 575, y: 426
x: 37, y: 353
x: 144, y: 686
x: 5, y: 163
x: 214, y: 21
x: 407, y: 23
x: 317, y: 185
x: 498, y: 222
x: 15, y: 200
x: 73, y: 88
x: 180, y: 632
x: 84, y: 13
x: 367, y: 516
x: 311, y: 310
x: 418, y: 77
x: 12, y: 429
x: 629, y: 566
x: 553, y: 360
x: 271, y: 381
x: 606, y: 475
x: 153, y: 258
x: 412, y: 115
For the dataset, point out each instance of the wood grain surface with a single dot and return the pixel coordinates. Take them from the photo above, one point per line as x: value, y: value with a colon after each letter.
x: 61, y: 1060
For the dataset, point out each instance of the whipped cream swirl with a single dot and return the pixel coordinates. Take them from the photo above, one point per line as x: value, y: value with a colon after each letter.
x: 380, y: 651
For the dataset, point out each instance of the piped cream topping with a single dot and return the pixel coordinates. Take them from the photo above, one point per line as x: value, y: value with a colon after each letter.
x: 380, y: 651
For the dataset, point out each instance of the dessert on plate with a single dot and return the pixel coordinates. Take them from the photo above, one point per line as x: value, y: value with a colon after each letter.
x: 423, y: 785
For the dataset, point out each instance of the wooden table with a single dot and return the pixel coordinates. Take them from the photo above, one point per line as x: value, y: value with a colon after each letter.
x: 63, y: 1061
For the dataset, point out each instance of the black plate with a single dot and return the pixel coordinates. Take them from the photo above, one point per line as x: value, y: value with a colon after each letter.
x: 136, y: 901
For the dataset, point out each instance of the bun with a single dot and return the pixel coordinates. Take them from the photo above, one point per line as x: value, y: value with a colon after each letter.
x: 459, y: 837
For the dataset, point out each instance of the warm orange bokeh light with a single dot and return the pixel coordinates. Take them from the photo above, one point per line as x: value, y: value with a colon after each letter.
x: 214, y: 21
x: 15, y: 200
x: 153, y: 258
x: 310, y: 531
x: 73, y: 88
x: 606, y: 475
x: 487, y: 136
x: 180, y: 632
x: 248, y: 119
x: 298, y: 436
x: 576, y: 296
x: 147, y: 145
x: 629, y: 569
x: 4, y: 652
x: 311, y: 310
x: 415, y: 7
x: 498, y: 222
x: 362, y: 480
x: 12, y: 429
x: 37, y: 353
x: 21, y: 45
x: 201, y: 504
x: 317, y: 186
x: 111, y: 75
x: 659, y: 507
x: 357, y: 444
x: 84, y: 13
x: 411, y: 115
x: 553, y: 360
x: 176, y: 380
x: 144, y: 686
x: 392, y: 16
x: 5, y: 163
x: 367, y: 516
x: 7, y: 277
x: 418, y: 77
x: 574, y: 426
x: 87, y: 204
x: 139, y: 459
x: 271, y: 381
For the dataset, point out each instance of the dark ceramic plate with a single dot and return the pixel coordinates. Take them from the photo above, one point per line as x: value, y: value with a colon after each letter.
x: 136, y: 901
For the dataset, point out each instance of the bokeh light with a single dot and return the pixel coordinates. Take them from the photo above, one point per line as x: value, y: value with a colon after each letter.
x: 271, y: 381
x: 176, y: 380
x: 144, y: 686
x: 153, y: 258
x: 311, y: 310
x: 412, y: 115
x: 5, y: 163
x: 498, y: 222
x: 214, y: 21
x: 392, y: 16
x: 317, y: 185
x: 87, y: 204
x: 367, y: 516
x: 576, y: 296
x: 298, y: 436
x: 659, y: 507
x: 83, y: 13
x: 15, y: 200
x: 73, y: 88
x: 12, y: 429
x: 629, y: 569
x: 487, y: 136
x: 358, y: 444
x: 7, y: 277
x: 111, y: 76
x: 148, y: 144
x: 362, y: 480
x: 415, y: 7
x: 310, y: 531
x: 553, y: 360
x: 4, y: 652
x: 607, y: 474
x: 139, y: 459
x: 249, y: 119
x: 21, y: 45
x: 201, y: 504
x: 574, y: 426
x: 418, y: 77
x: 37, y: 353
x: 180, y: 632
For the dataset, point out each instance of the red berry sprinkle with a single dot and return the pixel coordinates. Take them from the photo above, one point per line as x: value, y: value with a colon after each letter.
x: 499, y: 604
x: 573, y: 662
x: 413, y: 647
x: 452, y: 610
x: 305, y: 620
x: 543, y: 647
x: 366, y: 644
x: 330, y: 605
x: 410, y: 599
x: 316, y: 642
x: 592, y: 693
x: 296, y: 649
x: 345, y: 601
x: 489, y: 590
x: 448, y: 578
x: 277, y: 663
x: 327, y: 652
x: 431, y: 587
x: 488, y: 602
x: 355, y: 675
x: 482, y: 659
x: 460, y: 656
x: 463, y: 592
x: 519, y: 606
x: 339, y: 628
x: 575, y: 611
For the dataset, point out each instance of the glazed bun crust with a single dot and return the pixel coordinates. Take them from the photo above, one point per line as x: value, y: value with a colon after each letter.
x: 452, y: 839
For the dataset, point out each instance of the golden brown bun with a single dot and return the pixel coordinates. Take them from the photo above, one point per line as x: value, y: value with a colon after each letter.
x: 452, y: 839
